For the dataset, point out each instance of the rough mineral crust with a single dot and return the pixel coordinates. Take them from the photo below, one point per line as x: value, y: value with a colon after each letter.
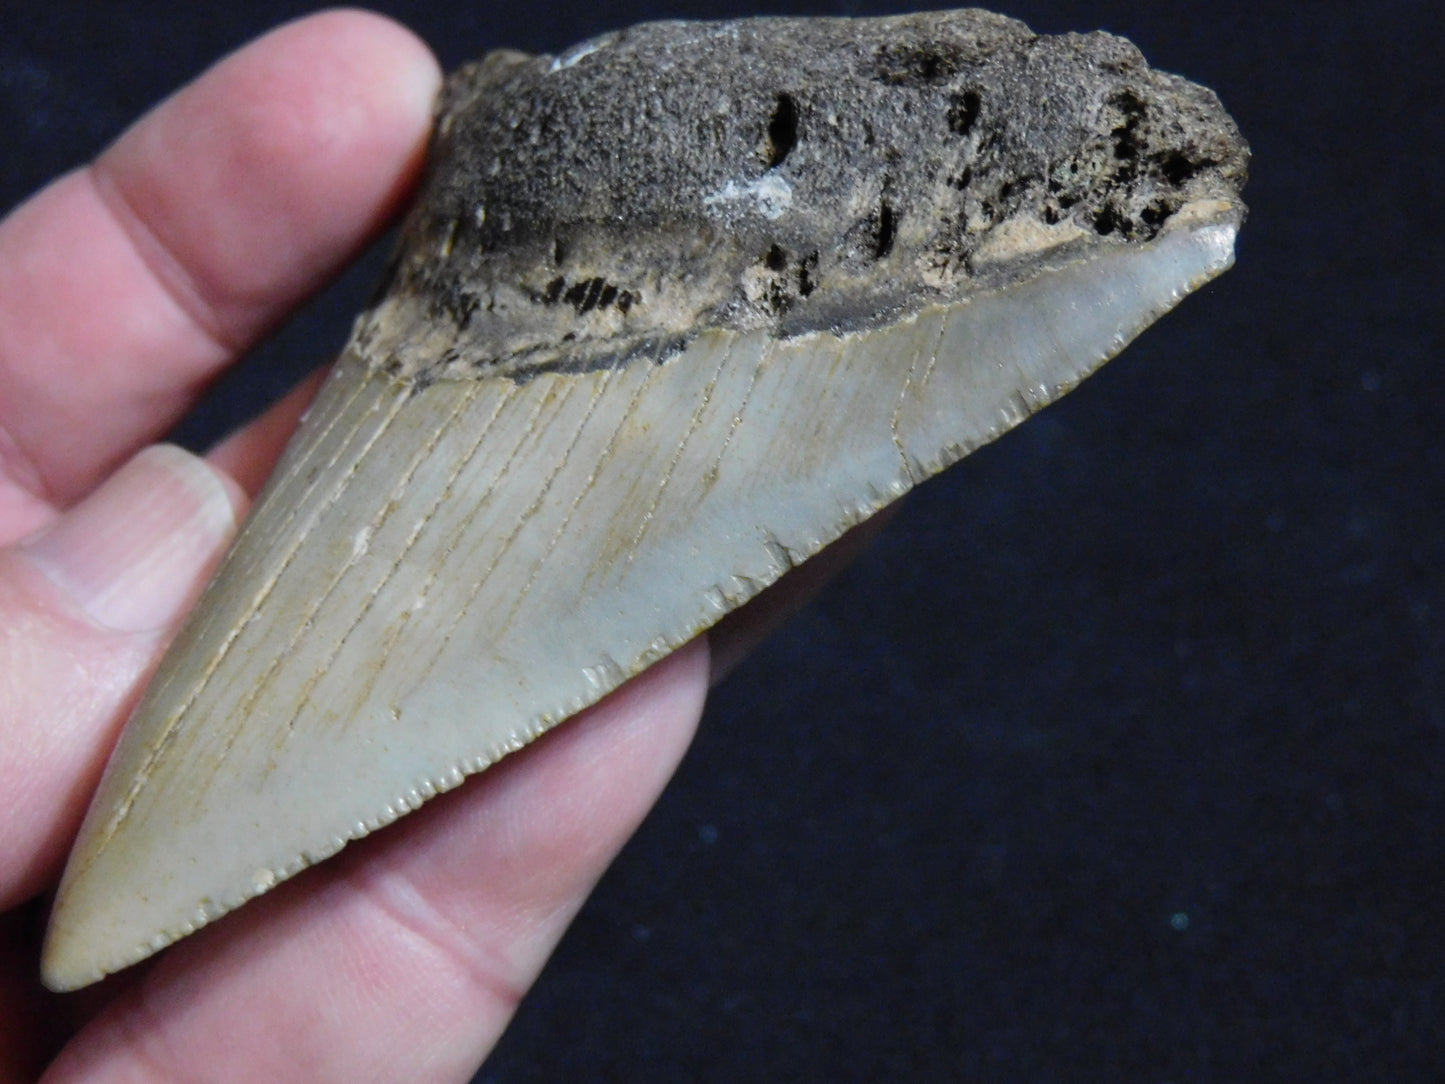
x: 799, y: 175
x: 674, y: 310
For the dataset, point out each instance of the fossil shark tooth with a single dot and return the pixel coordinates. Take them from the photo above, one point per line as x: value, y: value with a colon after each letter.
x: 674, y: 310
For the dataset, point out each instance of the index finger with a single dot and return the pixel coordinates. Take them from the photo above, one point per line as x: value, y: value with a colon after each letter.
x: 125, y: 286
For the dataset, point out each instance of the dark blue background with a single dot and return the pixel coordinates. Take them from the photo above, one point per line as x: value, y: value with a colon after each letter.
x: 1121, y: 755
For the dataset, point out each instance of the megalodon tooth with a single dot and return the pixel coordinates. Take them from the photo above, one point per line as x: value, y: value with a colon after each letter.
x: 674, y: 310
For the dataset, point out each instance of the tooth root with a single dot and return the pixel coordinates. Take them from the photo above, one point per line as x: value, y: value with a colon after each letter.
x: 390, y: 618
x: 667, y: 318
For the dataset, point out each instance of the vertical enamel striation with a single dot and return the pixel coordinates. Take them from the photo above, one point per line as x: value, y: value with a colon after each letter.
x: 586, y: 422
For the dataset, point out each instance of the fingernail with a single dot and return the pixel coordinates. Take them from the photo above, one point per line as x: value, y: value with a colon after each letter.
x: 134, y: 552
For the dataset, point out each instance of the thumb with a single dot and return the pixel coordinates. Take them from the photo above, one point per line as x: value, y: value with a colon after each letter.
x: 87, y: 605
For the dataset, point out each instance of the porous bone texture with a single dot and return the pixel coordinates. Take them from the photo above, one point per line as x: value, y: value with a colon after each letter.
x: 675, y: 310
x: 793, y: 175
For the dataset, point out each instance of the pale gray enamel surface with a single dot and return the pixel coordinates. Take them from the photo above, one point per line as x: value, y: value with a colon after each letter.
x: 434, y: 578
x: 672, y: 312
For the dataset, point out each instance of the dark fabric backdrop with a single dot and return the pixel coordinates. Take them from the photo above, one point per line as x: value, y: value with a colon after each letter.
x: 1121, y: 755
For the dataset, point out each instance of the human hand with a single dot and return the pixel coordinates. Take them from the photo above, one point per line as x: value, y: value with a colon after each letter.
x: 124, y: 288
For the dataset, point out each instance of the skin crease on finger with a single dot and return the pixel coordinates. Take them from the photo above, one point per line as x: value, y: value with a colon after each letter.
x: 88, y: 603
x: 344, y: 973
x: 413, y: 962
x: 70, y: 302
x: 399, y: 961
x: 192, y: 235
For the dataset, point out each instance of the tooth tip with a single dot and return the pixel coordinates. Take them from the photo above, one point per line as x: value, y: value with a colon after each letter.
x: 538, y: 469
x: 99, y: 925
x: 304, y: 724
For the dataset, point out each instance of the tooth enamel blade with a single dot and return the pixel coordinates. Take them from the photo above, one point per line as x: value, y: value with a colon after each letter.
x: 645, y: 348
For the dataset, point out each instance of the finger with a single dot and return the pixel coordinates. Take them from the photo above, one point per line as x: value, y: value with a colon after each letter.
x: 126, y: 286
x: 404, y: 959
x: 86, y: 606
